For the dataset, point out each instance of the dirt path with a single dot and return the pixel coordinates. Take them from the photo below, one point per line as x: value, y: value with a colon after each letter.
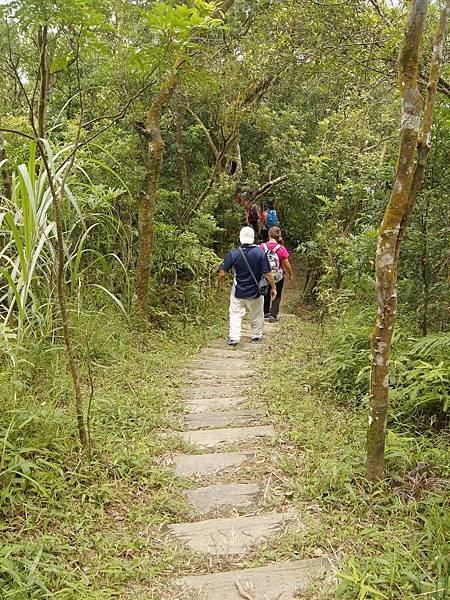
x: 240, y: 510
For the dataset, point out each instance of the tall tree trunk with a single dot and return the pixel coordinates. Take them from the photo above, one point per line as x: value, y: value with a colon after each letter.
x: 387, y: 254
x: 58, y: 198
x: 403, y: 196
x: 151, y: 130
x: 424, y: 144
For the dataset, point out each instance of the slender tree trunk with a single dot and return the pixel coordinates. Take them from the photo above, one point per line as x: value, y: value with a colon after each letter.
x: 6, y: 178
x: 43, y: 73
x: 151, y: 130
x: 184, y: 171
x: 386, y: 257
x: 58, y: 198
x: 57, y: 204
x: 425, y: 270
x: 391, y: 232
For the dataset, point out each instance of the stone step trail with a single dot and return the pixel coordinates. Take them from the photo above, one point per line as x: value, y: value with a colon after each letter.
x: 282, y: 581
x: 208, y: 405
x: 223, y: 418
x: 210, y: 438
x: 226, y: 537
x: 236, y: 496
x: 188, y: 465
x: 213, y: 391
x: 218, y: 415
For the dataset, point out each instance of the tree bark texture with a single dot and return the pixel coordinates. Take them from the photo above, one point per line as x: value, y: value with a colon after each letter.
x: 424, y: 144
x: 388, y: 238
x: 151, y: 131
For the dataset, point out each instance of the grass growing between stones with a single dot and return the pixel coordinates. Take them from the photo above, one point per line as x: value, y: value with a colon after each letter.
x: 389, y: 540
x: 74, y: 529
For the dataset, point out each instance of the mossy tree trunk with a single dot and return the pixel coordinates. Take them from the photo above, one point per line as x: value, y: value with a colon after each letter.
x: 151, y: 131
x: 388, y: 237
x: 404, y: 194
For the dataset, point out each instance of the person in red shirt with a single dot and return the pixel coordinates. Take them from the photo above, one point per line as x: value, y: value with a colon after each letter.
x: 278, y: 257
x: 254, y: 218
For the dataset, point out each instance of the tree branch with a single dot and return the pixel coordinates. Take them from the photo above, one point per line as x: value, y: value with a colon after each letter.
x: 209, y: 139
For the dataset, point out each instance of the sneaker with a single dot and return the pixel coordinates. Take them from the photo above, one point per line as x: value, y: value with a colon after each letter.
x: 267, y: 316
x: 273, y: 319
x: 231, y: 342
x: 255, y: 339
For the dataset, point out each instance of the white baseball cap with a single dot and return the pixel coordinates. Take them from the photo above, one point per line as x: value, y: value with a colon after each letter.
x: 247, y: 235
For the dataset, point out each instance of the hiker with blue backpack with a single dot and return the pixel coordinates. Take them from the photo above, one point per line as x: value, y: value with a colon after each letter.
x: 269, y: 218
x: 278, y: 257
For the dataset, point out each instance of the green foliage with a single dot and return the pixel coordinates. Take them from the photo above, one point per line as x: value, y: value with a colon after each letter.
x: 61, y: 513
x: 421, y: 392
x: 184, y: 273
x: 391, y: 539
x: 419, y: 370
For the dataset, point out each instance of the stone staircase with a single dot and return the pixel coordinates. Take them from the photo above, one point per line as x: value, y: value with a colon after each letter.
x: 218, y: 421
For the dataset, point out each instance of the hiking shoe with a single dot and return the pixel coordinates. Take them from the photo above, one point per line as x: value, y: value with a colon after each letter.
x: 267, y: 316
x: 273, y: 319
x: 255, y: 339
x: 232, y: 342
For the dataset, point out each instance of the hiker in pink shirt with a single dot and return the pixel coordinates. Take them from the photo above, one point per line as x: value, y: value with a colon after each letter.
x: 278, y: 257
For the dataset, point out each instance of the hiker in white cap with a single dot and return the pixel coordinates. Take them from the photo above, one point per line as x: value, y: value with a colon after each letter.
x: 252, y: 280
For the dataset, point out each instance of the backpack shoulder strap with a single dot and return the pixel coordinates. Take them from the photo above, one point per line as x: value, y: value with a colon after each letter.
x: 276, y: 248
x: 266, y: 247
x: 248, y: 266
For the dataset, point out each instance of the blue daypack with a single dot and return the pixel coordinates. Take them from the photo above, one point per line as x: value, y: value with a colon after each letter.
x: 271, y: 218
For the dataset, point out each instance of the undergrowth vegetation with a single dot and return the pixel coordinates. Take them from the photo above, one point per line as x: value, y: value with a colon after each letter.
x: 389, y: 540
x: 74, y: 529
x: 420, y: 368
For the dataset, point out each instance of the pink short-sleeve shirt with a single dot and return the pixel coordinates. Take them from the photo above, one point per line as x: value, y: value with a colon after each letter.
x: 282, y: 251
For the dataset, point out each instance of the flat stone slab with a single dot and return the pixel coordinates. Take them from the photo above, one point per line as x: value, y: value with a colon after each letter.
x: 220, y: 363
x: 222, y: 345
x: 209, y: 438
x: 281, y: 581
x: 209, y: 464
x: 213, y: 391
x: 208, y: 499
x: 235, y: 353
x: 200, y: 405
x: 230, y: 536
x: 223, y: 418
x: 225, y: 375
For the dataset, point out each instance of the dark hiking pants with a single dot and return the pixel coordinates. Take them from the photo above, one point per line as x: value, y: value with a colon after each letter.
x: 274, y: 307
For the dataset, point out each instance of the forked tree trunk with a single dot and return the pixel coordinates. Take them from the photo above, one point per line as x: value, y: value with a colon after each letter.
x: 424, y: 145
x: 151, y: 130
x: 391, y: 232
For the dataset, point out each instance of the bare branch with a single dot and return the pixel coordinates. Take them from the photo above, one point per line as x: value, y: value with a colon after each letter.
x: 267, y: 187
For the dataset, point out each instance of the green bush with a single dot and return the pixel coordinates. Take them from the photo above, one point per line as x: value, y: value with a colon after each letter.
x: 422, y: 388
